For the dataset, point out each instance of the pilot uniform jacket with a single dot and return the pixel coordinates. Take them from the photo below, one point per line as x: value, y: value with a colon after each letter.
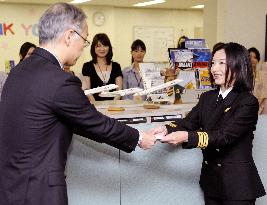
x: 41, y: 107
x: 224, y: 132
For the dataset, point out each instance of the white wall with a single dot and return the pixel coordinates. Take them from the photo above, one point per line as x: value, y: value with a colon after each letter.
x: 241, y: 21
x: 18, y: 15
x: 119, y: 27
x: 178, y: 19
x: 210, y: 22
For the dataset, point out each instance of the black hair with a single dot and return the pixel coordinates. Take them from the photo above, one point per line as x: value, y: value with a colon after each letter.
x: 256, y: 51
x: 215, y: 46
x: 102, y: 38
x: 136, y: 45
x: 25, y: 48
x: 181, y: 45
x: 238, y: 66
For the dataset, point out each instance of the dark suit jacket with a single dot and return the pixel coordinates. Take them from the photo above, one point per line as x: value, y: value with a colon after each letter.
x: 41, y: 107
x: 225, y: 133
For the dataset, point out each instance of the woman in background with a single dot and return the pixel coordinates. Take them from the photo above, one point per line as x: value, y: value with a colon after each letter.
x: 101, y: 70
x: 26, y: 50
x: 131, y: 74
x: 255, y: 58
x: 260, y: 87
x: 263, y: 96
x: 222, y: 125
x: 181, y: 42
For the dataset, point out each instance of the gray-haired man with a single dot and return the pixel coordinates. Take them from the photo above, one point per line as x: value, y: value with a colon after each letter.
x: 42, y: 106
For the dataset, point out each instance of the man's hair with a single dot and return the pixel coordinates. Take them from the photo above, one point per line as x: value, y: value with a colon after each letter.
x: 256, y: 51
x: 103, y: 39
x: 238, y: 66
x: 57, y: 19
x: 25, y: 48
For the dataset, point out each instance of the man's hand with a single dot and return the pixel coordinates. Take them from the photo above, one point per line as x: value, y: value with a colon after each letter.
x: 175, y: 138
x: 148, y: 140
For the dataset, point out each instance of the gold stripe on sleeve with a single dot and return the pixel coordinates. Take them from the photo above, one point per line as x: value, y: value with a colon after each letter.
x: 203, y: 140
x: 206, y: 139
x: 200, y: 139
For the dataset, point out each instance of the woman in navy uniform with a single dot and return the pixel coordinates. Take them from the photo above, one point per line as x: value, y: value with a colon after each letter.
x: 222, y: 125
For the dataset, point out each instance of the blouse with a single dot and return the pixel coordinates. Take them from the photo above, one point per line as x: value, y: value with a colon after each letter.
x: 131, y: 79
x: 89, y: 70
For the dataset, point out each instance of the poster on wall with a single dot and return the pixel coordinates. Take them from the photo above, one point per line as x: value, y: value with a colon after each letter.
x: 150, y: 73
x: 201, y: 58
x: 157, y: 40
x: 195, y: 43
x: 181, y: 58
x: 193, y: 66
x: 151, y: 76
x: 9, y: 64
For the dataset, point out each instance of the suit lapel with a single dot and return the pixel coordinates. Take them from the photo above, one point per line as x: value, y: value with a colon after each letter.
x: 217, y: 112
x: 47, y: 55
x: 229, y: 100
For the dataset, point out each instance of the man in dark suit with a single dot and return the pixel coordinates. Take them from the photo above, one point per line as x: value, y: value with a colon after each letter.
x: 222, y: 125
x: 42, y: 106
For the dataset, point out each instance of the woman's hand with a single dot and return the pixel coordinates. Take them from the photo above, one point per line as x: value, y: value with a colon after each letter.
x: 175, y: 138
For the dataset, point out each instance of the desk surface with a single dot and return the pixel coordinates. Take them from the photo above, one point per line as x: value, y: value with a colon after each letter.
x: 137, y: 110
x: 100, y: 174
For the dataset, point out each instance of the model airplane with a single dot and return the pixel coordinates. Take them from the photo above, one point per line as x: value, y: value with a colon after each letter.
x: 158, y: 87
x: 124, y: 92
x: 100, y: 89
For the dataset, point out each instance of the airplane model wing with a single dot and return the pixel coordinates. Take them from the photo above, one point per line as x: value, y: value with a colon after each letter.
x: 124, y: 92
x: 100, y: 89
x: 158, y: 87
x: 107, y: 94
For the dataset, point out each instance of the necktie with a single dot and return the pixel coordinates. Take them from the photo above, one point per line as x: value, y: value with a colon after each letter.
x: 219, y: 100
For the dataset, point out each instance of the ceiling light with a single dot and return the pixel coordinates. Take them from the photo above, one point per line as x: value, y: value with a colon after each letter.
x: 148, y: 3
x: 201, y: 6
x: 78, y: 1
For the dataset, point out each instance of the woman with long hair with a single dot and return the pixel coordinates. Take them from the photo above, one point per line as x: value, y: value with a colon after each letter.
x: 131, y: 74
x: 260, y: 87
x: 26, y: 50
x: 101, y: 70
x: 222, y: 125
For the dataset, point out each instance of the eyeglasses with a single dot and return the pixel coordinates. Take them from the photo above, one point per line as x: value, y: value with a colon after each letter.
x: 86, y: 42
